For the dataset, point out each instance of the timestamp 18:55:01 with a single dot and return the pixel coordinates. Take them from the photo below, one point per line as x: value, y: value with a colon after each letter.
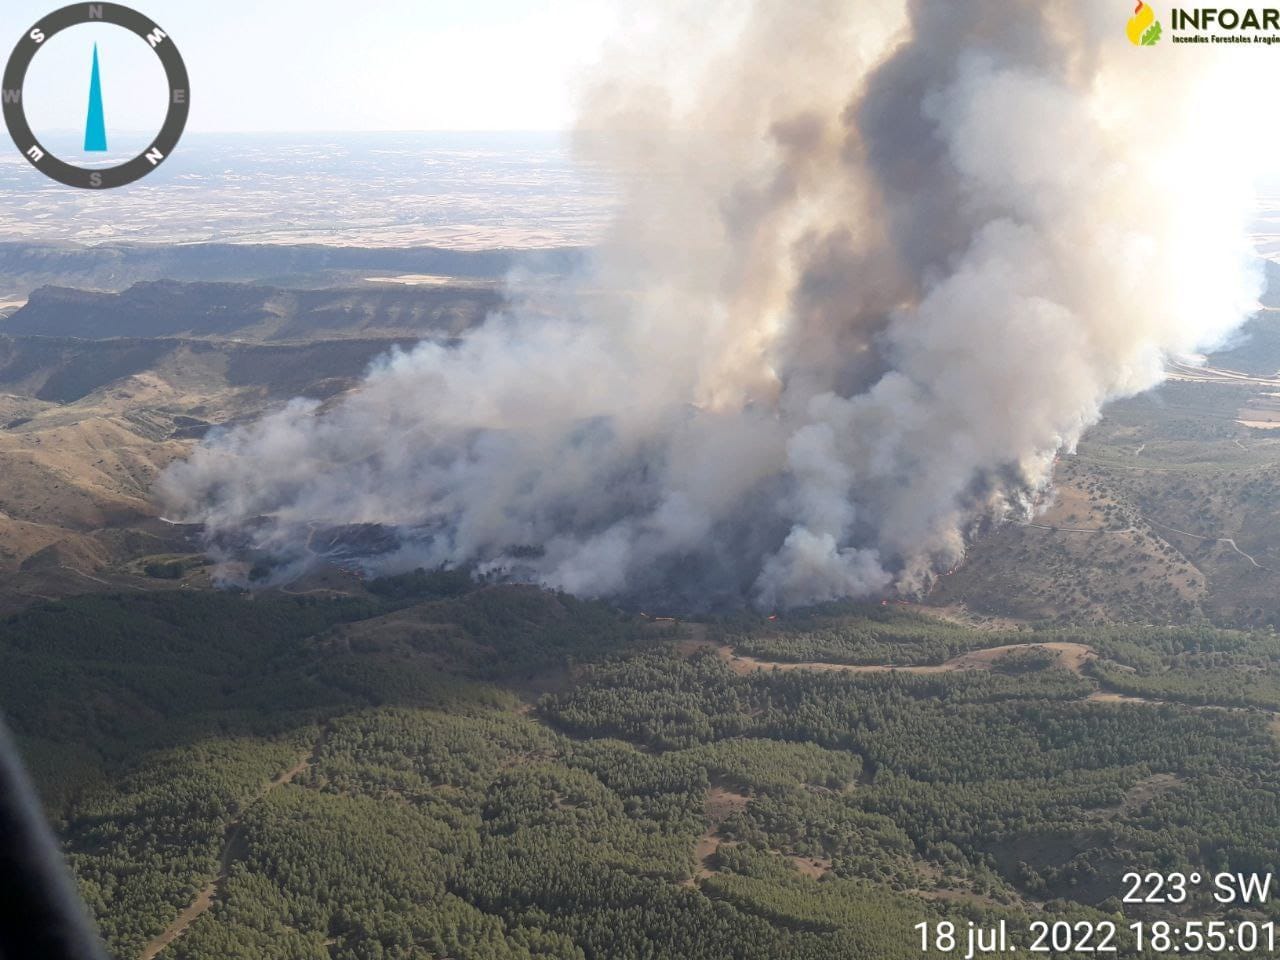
x: 971, y: 941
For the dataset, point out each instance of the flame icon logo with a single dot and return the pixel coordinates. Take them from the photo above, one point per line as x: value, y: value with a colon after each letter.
x: 1143, y: 30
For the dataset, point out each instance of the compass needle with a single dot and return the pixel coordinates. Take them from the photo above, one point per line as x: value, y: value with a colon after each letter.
x: 95, y: 129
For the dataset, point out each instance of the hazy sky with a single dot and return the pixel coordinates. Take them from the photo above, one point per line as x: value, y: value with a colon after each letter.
x: 292, y: 65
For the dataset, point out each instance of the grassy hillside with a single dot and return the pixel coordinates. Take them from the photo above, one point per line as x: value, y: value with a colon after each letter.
x: 1165, y: 514
x: 87, y: 425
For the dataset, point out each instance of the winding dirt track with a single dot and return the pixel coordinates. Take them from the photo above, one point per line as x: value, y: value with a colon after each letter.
x: 1071, y: 656
x: 204, y: 899
x: 1195, y: 536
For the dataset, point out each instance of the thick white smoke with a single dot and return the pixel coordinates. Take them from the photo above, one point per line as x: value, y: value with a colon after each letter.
x: 875, y: 266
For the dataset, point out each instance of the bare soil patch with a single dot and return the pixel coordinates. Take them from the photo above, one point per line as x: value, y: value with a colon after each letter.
x: 720, y: 805
x: 814, y: 867
x: 1107, y: 696
x: 1148, y: 789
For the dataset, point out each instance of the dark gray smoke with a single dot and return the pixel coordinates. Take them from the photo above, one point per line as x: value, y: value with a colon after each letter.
x: 876, y: 265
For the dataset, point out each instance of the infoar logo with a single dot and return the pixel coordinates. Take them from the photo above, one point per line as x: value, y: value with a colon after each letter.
x: 1143, y: 29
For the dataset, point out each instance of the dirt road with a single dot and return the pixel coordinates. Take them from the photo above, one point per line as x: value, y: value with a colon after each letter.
x: 230, y: 850
x: 1070, y: 656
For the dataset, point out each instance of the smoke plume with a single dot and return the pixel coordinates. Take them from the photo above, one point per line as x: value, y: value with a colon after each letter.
x: 876, y: 265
